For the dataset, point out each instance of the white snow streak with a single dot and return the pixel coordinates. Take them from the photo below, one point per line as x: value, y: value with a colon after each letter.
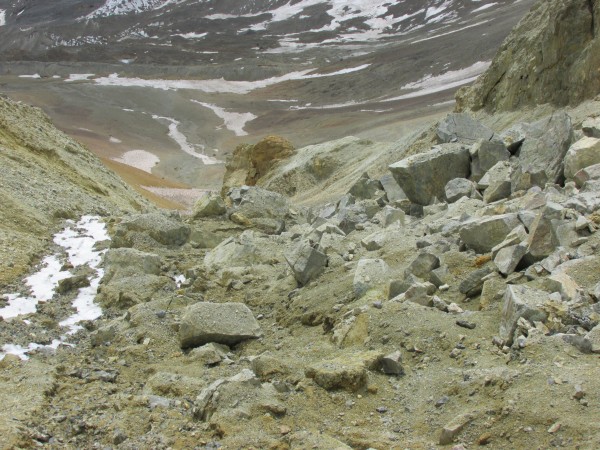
x: 2, y: 17
x: 233, y: 121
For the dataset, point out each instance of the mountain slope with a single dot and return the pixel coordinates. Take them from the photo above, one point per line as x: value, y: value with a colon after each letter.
x: 46, y: 177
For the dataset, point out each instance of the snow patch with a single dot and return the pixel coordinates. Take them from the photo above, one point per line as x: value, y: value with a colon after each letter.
x: 78, y: 241
x: 79, y: 77
x: 140, y: 159
x: 483, y: 7
x: 34, y: 76
x: 2, y: 17
x: 431, y: 84
x: 233, y: 121
x: 183, y: 143
x: 219, y: 85
x: 114, y: 140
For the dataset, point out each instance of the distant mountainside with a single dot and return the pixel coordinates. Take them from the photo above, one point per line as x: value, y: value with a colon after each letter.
x: 184, y: 30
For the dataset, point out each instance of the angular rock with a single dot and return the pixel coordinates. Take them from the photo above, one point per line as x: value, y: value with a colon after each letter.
x: 583, y: 153
x: 440, y: 276
x: 307, y: 262
x: 521, y: 301
x: 390, y: 216
x: 483, y: 234
x: 593, y: 337
x: 345, y: 372
x: 392, y: 364
x: 546, y: 146
x: 257, y: 207
x: 587, y: 174
x: 498, y: 181
x: 123, y: 262
x: 516, y: 236
x: 485, y: 154
x: 424, y: 176
x: 508, y: 258
x: 209, y: 206
x: 209, y: 354
x: 420, y: 293
x: 163, y: 229
x: 452, y: 429
x: 457, y: 188
x: 422, y: 265
x: 374, y: 241
x: 472, y: 285
x: 348, y: 217
x: 222, y: 323
x: 591, y: 127
x: 369, y: 274
x: 394, y: 192
x: 366, y: 188
x: 461, y: 127
x: 542, y: 241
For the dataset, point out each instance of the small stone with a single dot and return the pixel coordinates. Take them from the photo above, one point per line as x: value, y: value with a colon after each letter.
x: 381, y: 409
x: 451, y: 430
x: 119, y: 437
x: 392, y: 364
x: 579, y: 392
x: 284, y: 429
x: 377, y: 305
x: 554, y: 427
x: 484, y: 439
x: 465, y: 324
x: 453, y: 308
x: 442, y: 401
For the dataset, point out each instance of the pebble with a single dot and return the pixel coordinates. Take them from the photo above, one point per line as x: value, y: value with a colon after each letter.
x: 554, y: 427
x: 484, y: 439
x: 579, y: 392
x: 161, y: 314
x: 442, y: 401
x: 377, y: 305
x: 381, y: 409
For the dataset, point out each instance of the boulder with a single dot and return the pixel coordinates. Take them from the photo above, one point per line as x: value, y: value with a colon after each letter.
x: 369, y: 274
x: 496, y: 182
x: 485, y: 154
x: 245, y: 250
x: 249, y: 163
x: 483, y: 234
x: 345, y: 372
x: 457, y: 188
x: 256, y: 207
x: 166, y: 230
x: 424, y: 176
x: 395, y: 194
x: 366, y: 188
x: 591, y: 127
x: 390, y: 216
x: 545, y: 147
x: 461, y: 127
x: 583, y: 153
x: 391, y: 364
x: 307, y: 262
x: 209, y: 206
x: 123, y: 262
x: 508, y: 258
x: 422, y: 265
x: 521, y: 301
x: 472, y: 285
x: 542, y: 240
x: 587, y: 174
x: 593, y: 337
x: 222, y: 323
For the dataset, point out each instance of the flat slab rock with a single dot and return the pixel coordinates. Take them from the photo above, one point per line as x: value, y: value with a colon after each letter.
x: 223, y: 323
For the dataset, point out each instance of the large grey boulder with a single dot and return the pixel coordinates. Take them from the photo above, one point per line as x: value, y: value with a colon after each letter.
x: 253, y: 202
x: 424, y: 176
x: 369, y: 274
x: 223, y: 323
x: 521, y: 301
x: 307, y: 262
x: 166, y: 230
x: 546, y: 145
x: 393, y: 191
x: 245, y: 250
x: 583, y: 153
x: 485, y: 154
x: 422, y: 265
x: 508, y: 258
x: 461, y: 127
x: 209, y: 206
x: 483, y: 234
x: 497, y: 182
x: 124, y: 262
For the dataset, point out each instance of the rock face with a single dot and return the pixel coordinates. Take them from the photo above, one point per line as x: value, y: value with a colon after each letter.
x: 251, y: 162
x: 552, y: 56
x: 222, y: 323
x: 424, y: 176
